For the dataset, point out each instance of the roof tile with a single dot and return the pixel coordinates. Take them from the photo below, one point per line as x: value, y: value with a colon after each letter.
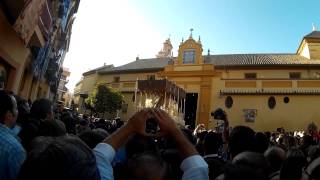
x: 220, y: 60
x: 258, y: 59
x: 313, y: 34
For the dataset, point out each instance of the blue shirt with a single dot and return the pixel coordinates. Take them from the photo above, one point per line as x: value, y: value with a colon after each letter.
x: 12, y: 154
x: 193, y: 167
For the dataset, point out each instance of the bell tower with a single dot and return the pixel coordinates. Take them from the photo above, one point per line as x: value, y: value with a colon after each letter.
x: 190, y: 51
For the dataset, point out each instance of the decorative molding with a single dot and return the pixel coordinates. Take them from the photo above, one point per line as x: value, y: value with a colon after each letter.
x: 225, y: 92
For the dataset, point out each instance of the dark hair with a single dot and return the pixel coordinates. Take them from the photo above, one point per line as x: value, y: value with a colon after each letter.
x: 242, y: 138
x: 59, y: 158
x: 235, y: 172
x: 138, y: 144
x: 52, y: 128
x: 297, y: 155
x: 275, y: 157
x: 91, y: 138
x: 83, y: 122
x: 248, y: 166
x: 268, y: 134
x: 69, y: 122
x: 101, y: 131
x: 313, y: 153
x: 307, y: 140
x: 292, y: 166
x: 212, y: 143
x: 291, y: 141
x: 254, y: 161
x: 219, y: 114
x: 146, y: 166
x: 262, y: 142
x: 5, y: 105
x: 40, y: 108
x: 35, y: 127
x: 23, y: 109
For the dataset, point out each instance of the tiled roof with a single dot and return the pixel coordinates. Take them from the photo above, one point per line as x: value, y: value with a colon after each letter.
x: 234, y: 60
x: 313, y: 34
x: 258, y: 60
x: 140, y: 65
x: 104, y: 67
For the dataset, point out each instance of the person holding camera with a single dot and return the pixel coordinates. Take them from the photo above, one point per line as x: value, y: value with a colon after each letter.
x: 193, y: 165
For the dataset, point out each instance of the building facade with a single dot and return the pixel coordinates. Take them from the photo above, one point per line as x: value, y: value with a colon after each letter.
x: 34, y: 38
x: 63, y: 92
x: 263, y: 91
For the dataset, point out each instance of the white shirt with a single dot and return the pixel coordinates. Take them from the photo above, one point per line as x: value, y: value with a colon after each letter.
x: 193, y: 167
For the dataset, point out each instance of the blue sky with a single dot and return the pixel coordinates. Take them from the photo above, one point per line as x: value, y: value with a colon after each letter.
x: 116, y: 31
x: 235, y: 26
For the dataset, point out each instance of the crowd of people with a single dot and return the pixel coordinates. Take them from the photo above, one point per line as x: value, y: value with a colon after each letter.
x: 36, y: 143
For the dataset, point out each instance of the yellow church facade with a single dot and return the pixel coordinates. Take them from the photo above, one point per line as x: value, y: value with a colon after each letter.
x: 263, y: 91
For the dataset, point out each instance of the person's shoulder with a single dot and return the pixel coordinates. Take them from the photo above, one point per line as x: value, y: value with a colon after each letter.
x: 31, y: 123
x: 9, y: 142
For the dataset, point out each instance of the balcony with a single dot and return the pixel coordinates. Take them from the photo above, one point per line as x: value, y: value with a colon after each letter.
x: 46, y: 21
x: 123, y: 86
x: 115, y: 85
x: 40, y: 60
x: 28, y: 19
x: 63, y: 12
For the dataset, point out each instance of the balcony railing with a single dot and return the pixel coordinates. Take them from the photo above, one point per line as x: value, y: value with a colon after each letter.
x: 123, y: 85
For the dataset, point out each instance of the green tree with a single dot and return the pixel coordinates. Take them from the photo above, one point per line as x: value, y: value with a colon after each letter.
x: 104, y: 99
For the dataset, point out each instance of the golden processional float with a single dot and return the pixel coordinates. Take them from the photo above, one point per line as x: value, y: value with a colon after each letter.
x: 161, y: 94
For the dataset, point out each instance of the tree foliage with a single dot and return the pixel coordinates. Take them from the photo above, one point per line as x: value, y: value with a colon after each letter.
x: 104, y: 99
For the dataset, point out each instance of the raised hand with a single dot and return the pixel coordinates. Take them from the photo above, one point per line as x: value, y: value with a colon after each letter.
x: 167, y: 125
x: 137, y: 123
